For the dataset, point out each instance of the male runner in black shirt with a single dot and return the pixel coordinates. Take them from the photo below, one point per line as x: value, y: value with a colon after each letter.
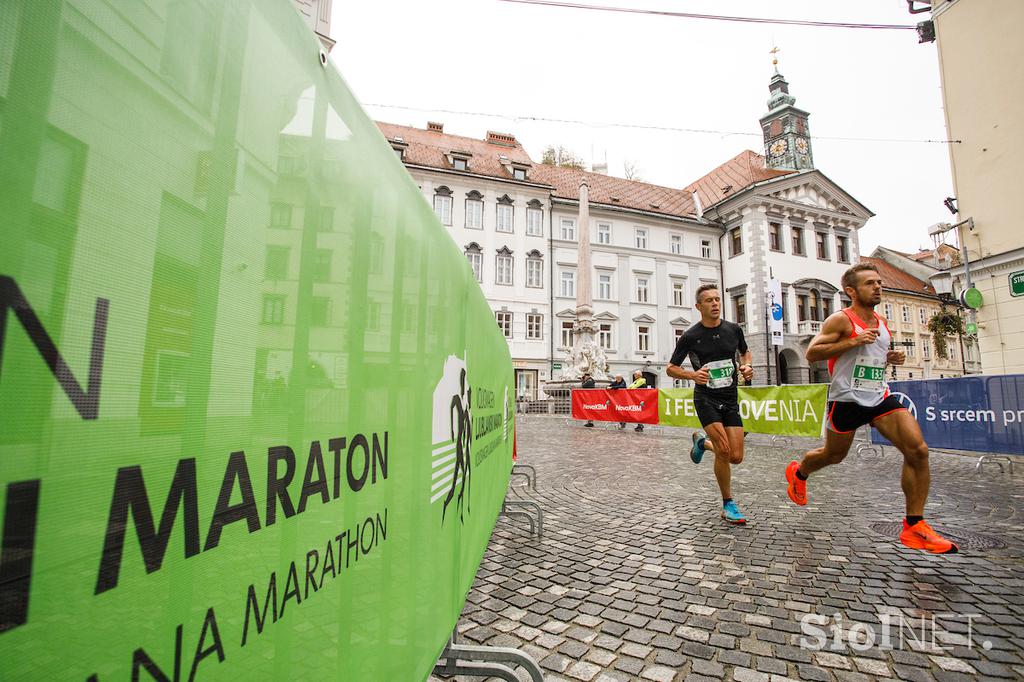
x: 711, y: 345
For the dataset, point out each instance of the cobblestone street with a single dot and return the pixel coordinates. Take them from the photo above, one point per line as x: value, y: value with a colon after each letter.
x: 637, y: 577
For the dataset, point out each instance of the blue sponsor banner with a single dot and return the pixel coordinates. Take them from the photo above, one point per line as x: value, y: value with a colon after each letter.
x: 977, y: 413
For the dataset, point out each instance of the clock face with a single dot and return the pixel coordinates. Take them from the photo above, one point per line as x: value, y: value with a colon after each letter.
x: 778, y: 148
x: 801, y: 145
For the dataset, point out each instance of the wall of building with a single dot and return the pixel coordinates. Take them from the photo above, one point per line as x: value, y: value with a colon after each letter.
x: 911, y: 325
x: 517, y: 298
x: 981, y: 59
x: 803, y: 202
x: 624, y: 261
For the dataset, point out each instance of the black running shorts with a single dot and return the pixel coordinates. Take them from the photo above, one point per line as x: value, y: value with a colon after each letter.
x: 844, y: 417
x: 711, y: 410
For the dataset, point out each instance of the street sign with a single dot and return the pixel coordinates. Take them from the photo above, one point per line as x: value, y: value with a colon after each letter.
x: 972, y: 328
x: 556, y: 365
x: 972, y: 298
x: 1017, y: 283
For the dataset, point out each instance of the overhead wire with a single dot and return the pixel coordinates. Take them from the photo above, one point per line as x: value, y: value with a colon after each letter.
x: 714, y: 17
x: 640, y: 126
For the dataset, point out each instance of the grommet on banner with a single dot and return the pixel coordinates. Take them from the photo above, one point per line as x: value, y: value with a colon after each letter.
x: 323, y: 58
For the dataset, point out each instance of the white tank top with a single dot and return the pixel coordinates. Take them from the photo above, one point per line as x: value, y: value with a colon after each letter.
x: 858, y: 375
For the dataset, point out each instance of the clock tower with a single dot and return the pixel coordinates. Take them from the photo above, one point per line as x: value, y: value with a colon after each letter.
x: 787, y: 137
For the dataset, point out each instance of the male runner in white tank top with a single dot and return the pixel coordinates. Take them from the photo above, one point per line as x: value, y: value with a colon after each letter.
x: 856, y: 343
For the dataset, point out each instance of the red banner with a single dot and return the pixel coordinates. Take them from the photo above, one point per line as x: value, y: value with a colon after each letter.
x: 636, y: 405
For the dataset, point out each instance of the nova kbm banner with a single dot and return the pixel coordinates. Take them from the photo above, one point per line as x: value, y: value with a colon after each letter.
x: 255, y: 414
x: 797, y: 410
x: 975, y: 413
x: 638, y: 405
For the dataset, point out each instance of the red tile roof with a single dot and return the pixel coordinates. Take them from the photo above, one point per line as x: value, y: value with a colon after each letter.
x: 736, y: 174
x: 612, y: 191
x: 895, y: 279
x: 429, y: 148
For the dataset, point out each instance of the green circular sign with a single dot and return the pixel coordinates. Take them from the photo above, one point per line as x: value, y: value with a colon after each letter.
x: 972, y: 328
x: 972, y: 298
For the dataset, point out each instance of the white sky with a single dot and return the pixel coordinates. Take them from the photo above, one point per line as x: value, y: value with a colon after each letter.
x: 600, y: 67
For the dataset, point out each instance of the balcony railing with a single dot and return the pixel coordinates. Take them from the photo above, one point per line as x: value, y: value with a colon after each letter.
x: 808, y: 327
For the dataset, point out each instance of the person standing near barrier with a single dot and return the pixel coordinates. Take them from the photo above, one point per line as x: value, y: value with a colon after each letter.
x: 638, y: 382
x: 619, y: 382
x: 588, y: 382
x: 855, y: 341
x: 712, y: 345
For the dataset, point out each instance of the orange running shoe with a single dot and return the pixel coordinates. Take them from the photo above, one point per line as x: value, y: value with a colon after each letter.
x: 797, y: 489
x: 921, y: 536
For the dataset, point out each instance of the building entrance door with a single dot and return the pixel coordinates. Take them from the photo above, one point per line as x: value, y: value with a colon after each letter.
x: 526, y: 384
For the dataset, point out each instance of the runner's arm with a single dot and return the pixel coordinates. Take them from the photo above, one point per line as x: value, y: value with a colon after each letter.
x: 677, y: 372
x: 834, y: 339
x: 747, y: 360
x: 675, y: 367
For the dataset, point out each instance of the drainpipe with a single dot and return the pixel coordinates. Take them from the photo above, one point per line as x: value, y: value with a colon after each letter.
x: 551, y: 287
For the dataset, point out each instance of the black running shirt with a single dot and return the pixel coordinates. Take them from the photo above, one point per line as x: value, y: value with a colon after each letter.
x: 705, y: 345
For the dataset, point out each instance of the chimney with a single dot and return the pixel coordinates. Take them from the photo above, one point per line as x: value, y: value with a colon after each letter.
x: 503, y: 139
x: 435, y: 127
x: 697, y: 206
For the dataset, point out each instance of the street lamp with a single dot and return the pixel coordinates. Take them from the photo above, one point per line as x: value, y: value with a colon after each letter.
x: 942, y: 281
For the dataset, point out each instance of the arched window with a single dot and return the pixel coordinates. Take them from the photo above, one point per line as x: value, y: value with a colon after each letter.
x: 475, y: 256
x: 474, y: 210
x: 505, y: 214
x: 534, y: 269
x: 443, y: 204
x: 535, y: 218
x: 503, y: 267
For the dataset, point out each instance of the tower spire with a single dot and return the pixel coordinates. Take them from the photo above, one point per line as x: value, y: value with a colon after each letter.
x: 787, y: 136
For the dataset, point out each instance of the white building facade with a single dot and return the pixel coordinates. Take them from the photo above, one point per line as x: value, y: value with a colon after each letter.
x: 751, y: 219
x: 782, y: 219
x: 517, y: 223
x: 646, y: 268
x: 484, y: 193
x: 802, y: 230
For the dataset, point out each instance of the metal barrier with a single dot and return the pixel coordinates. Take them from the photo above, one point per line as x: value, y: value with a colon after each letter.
x: 997, y: 460
x: 526, y: 471
x: 485, y: 661
x: 514, y: 509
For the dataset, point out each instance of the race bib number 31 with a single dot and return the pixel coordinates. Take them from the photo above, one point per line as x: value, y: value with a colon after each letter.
x: 721, y: 372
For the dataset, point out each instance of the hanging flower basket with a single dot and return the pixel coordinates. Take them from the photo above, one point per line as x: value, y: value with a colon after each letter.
x: 942, y: 325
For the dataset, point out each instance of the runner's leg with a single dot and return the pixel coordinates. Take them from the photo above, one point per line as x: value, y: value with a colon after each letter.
x: 722, y: 450
x: 903, y: 431
x: 735, y: 434
x: 730, y: 510
x: 833, y: 451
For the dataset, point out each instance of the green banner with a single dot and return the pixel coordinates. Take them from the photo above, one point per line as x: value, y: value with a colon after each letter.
x: 256, y: 419
x: 795, y: 410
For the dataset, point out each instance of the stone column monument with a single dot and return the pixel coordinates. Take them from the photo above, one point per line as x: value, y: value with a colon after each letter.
x: 586, y: 356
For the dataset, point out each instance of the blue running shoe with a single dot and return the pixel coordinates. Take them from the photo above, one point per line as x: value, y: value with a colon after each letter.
x: 697, y: 451
x: 732, y: 513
